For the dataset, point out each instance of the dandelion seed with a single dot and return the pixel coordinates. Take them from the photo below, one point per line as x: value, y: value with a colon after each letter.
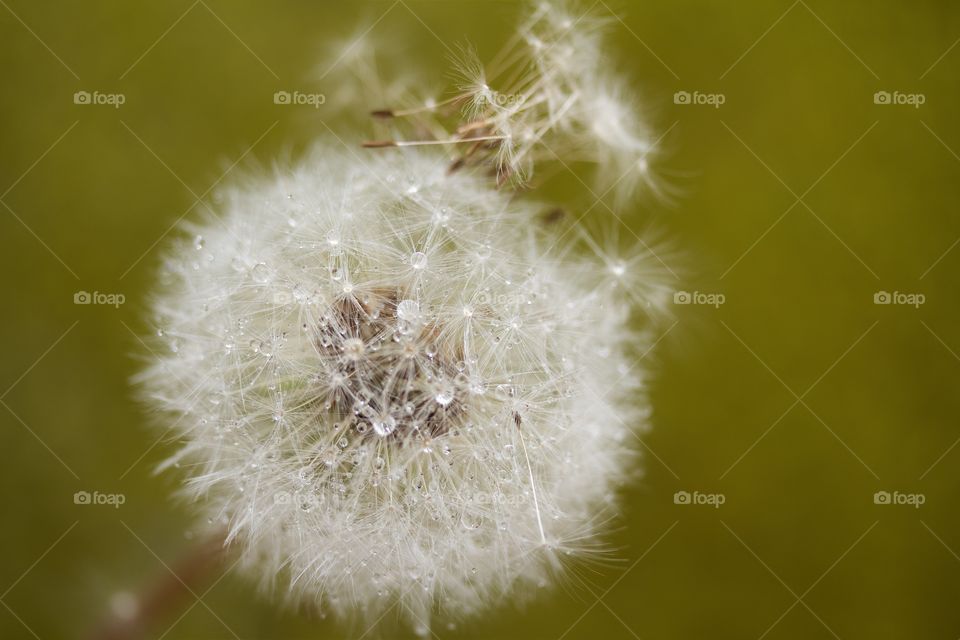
x: 551, y: 94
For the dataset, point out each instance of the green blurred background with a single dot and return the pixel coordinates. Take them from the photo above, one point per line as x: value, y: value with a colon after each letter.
x: 796, y: 400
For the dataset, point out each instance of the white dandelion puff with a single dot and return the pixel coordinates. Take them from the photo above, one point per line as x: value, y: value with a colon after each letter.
x: 389, y: 390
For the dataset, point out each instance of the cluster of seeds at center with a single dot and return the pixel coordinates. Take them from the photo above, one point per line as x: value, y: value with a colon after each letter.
x: 390, y: 370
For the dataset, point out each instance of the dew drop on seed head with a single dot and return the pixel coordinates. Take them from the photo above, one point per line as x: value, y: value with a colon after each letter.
x: 384, y: 425
x: 260, y: 273
x: 444, y: 397
x: 441, y: 216
x: 408, y: 310
x: 418, y: 260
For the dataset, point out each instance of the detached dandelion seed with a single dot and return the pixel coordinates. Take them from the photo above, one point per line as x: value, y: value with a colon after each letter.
x: 552, y: 93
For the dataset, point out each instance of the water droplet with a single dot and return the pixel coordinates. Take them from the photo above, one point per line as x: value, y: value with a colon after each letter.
x: 299, y: 293
x: 408, y: 310
x: 260, y: 273
x: 418, y: 260
x: 441, y: 216
x: 384, y: 425
x: 471, y: 521
x: 198, y: 243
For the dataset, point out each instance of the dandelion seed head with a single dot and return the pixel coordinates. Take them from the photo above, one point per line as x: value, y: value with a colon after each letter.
x: 377, y: 416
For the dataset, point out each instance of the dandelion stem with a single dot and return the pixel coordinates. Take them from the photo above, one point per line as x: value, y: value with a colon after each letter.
x: 165, y: 595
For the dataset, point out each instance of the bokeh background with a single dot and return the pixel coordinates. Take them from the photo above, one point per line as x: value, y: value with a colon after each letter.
x: 794, y: 402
